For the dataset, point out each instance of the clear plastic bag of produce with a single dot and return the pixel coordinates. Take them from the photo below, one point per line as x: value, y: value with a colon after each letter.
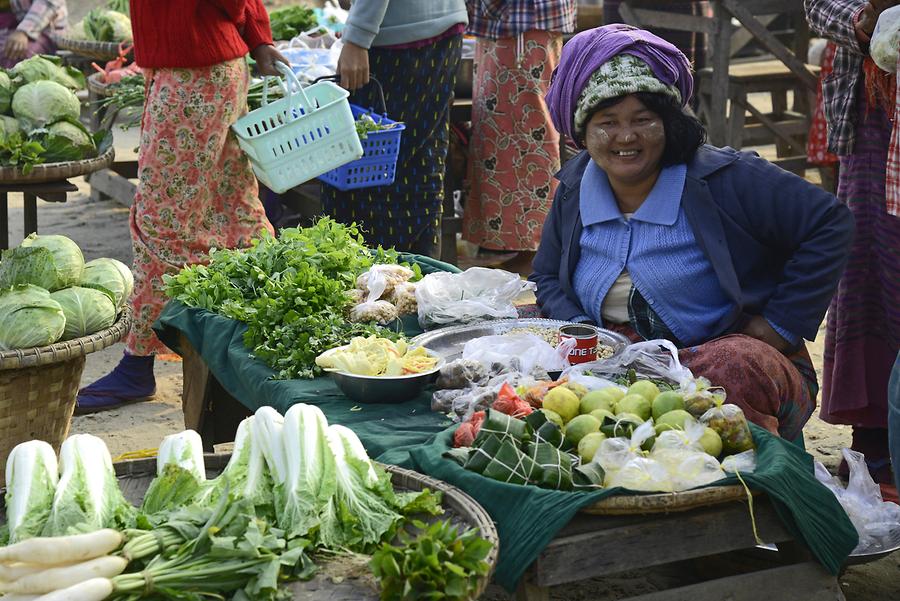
x: 592, y: 382
x: 653, y: 359
x: 379, y: 311
x: 379, y: 281
x: 704, y: 398
x: 681, y: 440
x: 473, y: 295
x: 615, y: 453
x: 688, y: 468
x: 876, y: 521
x: 744, y: 463
x: 527, y: 351
x: 885, y: 43
x: 641, y: 474
x: 730, y: 424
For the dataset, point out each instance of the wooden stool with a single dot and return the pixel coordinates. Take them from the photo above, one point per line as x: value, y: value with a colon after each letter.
x: 49, y: 191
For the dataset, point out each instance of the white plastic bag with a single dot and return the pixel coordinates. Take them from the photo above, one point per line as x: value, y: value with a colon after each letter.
x: 656, y: 359
x: 875, y: 521
x: 745, y: 462
x: 473, y: 295
x: 688, y: 468
x: 641, y: 474
x: 615, y: 453
x: 682, y: 440
x: 885, y: 43
x: 524, y: 352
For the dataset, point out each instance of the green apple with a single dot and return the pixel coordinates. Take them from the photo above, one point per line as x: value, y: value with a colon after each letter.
x: 581, y: 426
x: 711, y: 442
x: 636, y: 404
x: 645, y: 388
x: 587, y: 446
x: 563, y: 401
x: 597, y: 399
x: 666, y: 401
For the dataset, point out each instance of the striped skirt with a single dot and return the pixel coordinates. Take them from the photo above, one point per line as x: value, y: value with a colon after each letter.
x: 418, y: 88
x: 863, y: 335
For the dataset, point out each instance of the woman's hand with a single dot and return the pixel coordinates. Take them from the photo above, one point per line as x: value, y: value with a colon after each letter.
x: 758, y: 327
x: 266, y: 56
x: 869, y: 17
x: 353, y: 66
x: 16, y: 46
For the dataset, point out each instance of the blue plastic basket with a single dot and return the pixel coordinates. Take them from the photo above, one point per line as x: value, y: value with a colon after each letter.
x: 378, y: 164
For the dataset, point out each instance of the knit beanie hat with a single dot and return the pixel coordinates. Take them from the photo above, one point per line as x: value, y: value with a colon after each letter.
x: 621, y: 75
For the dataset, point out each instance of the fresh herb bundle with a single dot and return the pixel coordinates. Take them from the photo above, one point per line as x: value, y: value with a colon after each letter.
x: 291, y: 21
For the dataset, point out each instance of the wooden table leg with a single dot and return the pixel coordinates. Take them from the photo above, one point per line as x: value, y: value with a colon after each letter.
x: 530, y: 592
x: 721, y: 55
x: 4, y: 222
x: 30, y: 214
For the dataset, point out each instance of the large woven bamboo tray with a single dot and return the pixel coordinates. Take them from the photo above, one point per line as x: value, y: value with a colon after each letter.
x: 340, y: 580
x: 38, y: 387
x: 666, y: 502
x: 54, y: 172
x: 101, y: 51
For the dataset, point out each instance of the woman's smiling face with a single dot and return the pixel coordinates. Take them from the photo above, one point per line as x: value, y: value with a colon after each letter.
x: 626, y: 140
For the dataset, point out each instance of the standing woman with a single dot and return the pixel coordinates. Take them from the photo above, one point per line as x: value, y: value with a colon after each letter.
x: 863, y: 335
x: 412, y: 47
x: 514, y: 148
x: 26, y: 27
x: 196, y: 189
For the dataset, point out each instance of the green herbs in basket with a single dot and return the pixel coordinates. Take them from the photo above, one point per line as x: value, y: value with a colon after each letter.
x: 436, y: 563
x: 366, y: 125
x: 291, y: 291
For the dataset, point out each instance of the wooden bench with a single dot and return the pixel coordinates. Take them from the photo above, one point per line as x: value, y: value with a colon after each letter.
x: 49, y: 191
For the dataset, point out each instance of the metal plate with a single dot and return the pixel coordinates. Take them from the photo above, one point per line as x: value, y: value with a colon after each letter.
x: 449, y: 342
x: 887, y: 545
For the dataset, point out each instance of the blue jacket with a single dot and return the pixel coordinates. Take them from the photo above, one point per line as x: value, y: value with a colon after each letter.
x: 776, y: 242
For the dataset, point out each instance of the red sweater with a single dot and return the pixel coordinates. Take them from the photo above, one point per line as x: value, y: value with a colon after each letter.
x: 196, y: 33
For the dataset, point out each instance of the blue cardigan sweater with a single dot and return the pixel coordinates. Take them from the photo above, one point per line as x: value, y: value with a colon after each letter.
x: 776, y: 242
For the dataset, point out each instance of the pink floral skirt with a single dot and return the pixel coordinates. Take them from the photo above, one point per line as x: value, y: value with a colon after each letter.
x: 196, y: 189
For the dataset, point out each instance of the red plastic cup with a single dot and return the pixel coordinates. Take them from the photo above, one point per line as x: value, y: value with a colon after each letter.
x: 586, y: 338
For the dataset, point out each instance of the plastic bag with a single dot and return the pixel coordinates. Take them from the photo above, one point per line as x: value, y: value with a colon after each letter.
x: 404, y: 298
x: 641, y: 474
x: 876, y: 521
x: 653, y: 359
x: 462, y: 373
x: 745, y: 462
x: 379, y: 311
x: 688, y: 468
x: 527, y: 350
x: 312, y: 54
x: 592, y: 382
x: 885, y: 43
x: 681, y: 440
x: 473, y: 295
x: 380, y: 280
x: 730, y: 424
x: 615, y: 453
x: 703, y: 399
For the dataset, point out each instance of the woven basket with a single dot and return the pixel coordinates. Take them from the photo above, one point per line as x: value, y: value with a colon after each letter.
x: 38, y: 387
x: 54, y: 172
x: 101, y: 51
x: 667, y: 502
x: 97, y: 87
x: 135, y: 476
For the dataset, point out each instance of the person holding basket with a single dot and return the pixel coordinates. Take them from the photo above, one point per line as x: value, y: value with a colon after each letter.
x: 196, y: 189
x: 413, y: 49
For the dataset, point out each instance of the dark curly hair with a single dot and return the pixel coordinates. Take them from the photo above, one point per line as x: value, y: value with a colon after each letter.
x: 684, y: 133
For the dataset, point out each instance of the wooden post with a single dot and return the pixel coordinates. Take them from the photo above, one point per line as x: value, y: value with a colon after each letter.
x: 4, y: 222
x: 30, y: 213
x: 721, y: 56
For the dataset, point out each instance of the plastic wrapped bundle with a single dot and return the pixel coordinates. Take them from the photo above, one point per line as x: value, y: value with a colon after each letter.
x: 404, y: 298
x: 379, y: 311
x: 641, y: 474
x: 730, y: 424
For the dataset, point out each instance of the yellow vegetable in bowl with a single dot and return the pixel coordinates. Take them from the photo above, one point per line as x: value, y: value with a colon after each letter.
x: 374, y: 356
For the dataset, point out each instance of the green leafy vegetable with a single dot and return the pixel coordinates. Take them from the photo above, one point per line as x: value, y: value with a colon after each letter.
x: 45, y: 67
x: 6, y: 92
x: 50, y: 261
x: 16, y: 150
x: 180, y: 471
x: 111, y: 277
x: 87, y: 311
x: 436, y: 563
x: 104, y: 25
x: 291, y: 21
x: 290, y: 291
x: 40, y: 103
x: 366, y: 125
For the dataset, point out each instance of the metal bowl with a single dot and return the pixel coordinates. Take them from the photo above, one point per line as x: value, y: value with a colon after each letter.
x: 385, y: 389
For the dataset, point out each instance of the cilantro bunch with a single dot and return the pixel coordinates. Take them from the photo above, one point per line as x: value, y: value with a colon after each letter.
x: 290, y: 291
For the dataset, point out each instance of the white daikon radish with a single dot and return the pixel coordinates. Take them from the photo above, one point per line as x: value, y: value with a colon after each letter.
x: 54, y: 579
x: 63, y: 549
x: 14, y: 571
x: 95, y: 589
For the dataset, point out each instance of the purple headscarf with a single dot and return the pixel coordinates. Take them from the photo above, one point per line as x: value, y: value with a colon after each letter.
x: 585, y: 52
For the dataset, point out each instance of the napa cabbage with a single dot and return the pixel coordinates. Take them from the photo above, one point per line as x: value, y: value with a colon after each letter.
x: 246, y: 476
x: 31, y: 478
x: 87, y: 496
x: 180, y: 472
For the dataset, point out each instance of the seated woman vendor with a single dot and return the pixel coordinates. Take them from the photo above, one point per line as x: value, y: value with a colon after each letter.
x: 657, y: 235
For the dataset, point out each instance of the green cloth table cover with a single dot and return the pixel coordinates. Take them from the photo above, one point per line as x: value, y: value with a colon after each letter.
x: 528, y: 518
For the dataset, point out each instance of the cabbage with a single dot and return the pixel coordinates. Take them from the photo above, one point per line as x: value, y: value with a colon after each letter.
x: 29, y: 318
x: 76, y: 133
x: 107, y: 26
x: 52, y: 262
x: 6, y: 92
x: 43, y: 67
x: 87, y: 311
x: 8, y: 126
x: 111, y: 277
x: 87, y: 496
x: 30, y: 483
x: 246, y: 475
x: 180, y: 472
x: 41, y: 103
